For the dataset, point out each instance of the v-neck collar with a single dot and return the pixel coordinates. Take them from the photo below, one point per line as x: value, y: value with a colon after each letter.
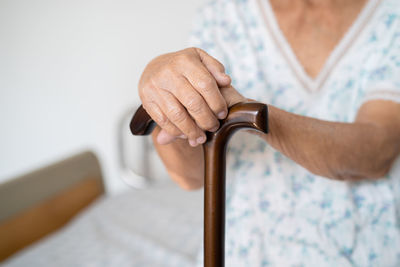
x: 314, y: 84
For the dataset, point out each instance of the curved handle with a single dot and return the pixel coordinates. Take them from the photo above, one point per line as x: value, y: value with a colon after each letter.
x: 141, y: 123
x: 242, y: 115
x: 250, y: 115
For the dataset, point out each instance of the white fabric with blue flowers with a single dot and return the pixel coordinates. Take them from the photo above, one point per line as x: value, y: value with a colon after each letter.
x: 278, y: 213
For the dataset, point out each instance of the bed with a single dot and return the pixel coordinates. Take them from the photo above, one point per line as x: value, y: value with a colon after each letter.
x: 71, y: 222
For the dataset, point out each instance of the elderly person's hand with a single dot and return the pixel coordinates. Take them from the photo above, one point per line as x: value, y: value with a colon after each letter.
x: 180, y: 91
x: 185, y: 93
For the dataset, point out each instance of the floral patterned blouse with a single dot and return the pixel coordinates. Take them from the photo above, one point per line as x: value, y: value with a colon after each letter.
x: 278, y: 213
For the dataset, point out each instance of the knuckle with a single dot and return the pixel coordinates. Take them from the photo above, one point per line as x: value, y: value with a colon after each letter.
x: 177, y: 115
x: 162, y: 121
x: 166, y: 72
x: 195, y: 105
x: 145, y: 92
x: 197, y: 49
x: 206, y: 84
x: 182, y: 58
x: 191, y: 50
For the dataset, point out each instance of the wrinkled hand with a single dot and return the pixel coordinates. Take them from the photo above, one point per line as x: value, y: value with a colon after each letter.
x: 231, y: 97
x: 181, y: 92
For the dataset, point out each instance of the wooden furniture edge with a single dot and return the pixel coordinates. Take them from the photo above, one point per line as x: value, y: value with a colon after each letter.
x: 37, y: 204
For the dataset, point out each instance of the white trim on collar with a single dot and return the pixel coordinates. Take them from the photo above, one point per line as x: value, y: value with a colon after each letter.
x: 314, y: 84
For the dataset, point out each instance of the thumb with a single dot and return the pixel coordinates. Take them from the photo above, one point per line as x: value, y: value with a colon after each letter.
x: 232, y: 96
x: 215, y: 68
x: 164, y: 138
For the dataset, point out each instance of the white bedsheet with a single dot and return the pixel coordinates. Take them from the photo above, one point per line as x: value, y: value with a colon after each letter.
x: 150, y: 227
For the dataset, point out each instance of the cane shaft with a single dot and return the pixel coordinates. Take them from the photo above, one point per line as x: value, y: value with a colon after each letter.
x: 251, y: 115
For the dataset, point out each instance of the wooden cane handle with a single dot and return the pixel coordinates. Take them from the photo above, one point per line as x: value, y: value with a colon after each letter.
x: 249, y: 115
x: 141, y: 123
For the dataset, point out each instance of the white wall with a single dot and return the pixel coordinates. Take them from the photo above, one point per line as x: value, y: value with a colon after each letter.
x: 69, y: 70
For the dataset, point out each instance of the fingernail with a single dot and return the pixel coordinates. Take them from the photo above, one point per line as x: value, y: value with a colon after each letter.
x: 214, y: 129
x: 192, y: 142
x: 222, y: 115
x: 201, y: 139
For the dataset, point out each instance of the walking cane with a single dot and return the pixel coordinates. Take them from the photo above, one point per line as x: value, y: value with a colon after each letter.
x: 250, y: 115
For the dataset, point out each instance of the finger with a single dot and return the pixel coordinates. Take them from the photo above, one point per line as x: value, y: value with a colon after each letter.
x: 195, y: 105
x: 164, y: 138
x: 204, y: 83
x: 161, y: 119
x: 214, y: 67
x: 178, y: 115
x: 232, y: 96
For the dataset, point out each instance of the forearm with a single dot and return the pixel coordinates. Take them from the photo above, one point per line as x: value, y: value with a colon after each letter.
x: 345, y: 151
x: 185, y: 164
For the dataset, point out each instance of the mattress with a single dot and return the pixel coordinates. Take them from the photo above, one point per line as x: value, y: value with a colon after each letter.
x: 159, y: 226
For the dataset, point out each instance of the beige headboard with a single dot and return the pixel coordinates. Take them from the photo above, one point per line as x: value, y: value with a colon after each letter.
x: 38, y: 203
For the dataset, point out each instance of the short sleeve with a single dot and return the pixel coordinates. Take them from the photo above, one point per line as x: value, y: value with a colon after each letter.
x: 383, y: 74
x: 205, y: 33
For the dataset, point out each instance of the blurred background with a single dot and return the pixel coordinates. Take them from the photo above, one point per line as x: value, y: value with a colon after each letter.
x: 69, y: 72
